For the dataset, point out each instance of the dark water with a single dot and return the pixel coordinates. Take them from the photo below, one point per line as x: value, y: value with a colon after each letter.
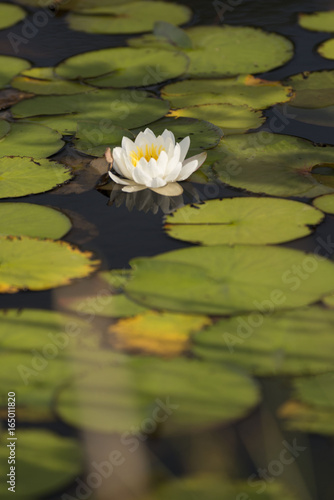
x: 121, y: 235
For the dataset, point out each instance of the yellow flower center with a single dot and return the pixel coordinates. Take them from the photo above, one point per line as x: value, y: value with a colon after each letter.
x: 149, y: 152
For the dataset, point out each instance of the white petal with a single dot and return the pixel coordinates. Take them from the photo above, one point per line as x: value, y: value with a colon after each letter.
x: 118, y: 180
x: 172, y: 162
x: 171, y: 189
x: 133, y: 189
x: 168, y: 135
x: 184, y: 145
x: 174, y: 174
x: 157, y: 182
x: 191, y: 165
x: 119, y: 162
x: 162, y: 162
x: 139, y: 173
x: 128, y: 145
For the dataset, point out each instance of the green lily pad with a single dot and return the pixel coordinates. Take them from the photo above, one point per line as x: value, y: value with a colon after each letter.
x: 268, y: 345
x: 45, y: 462
x: 278, y: 165
x: 325, y: 203
x: 94, y: 140
x: 28, y: 263
x: 227, y: 51
x: 10, y: 67
x: 26, y: 219
x: 312, y: 408
x: 136, y: 17
x: 126, y: 395
x: 234, y: 279
x: 326, y: 49
x: 76, y: 5
x: 10, y: 15
x: 174, y: 34
x: 231, y: 119
x: 43, y: 81
x: 30, y: 139
x: 215, y: 488
x: 22, y: 176
x: 242, y: 220
x: 318, y: 21
x: 203, y: 135
x: 124, y: 67
x: 112, y: 306
x: 238, y: 91
x: 313, y: 90
x: 4, y: 128
x: 105, y: 107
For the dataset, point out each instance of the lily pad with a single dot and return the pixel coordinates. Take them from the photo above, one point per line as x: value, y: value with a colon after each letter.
x: 312, y: 408
x: 43, y: 81
x: 162, y: 334
x: 30, y: 139
x: 242, y: 220
x: 23, y: 176
x: 278, y: 165
x: 227, y: 51
x: 94, y: 140
x: 124, y: 67
x: 231, y: 119
x: 4, y: 128
x: 325, y: 203
x: 61, y: 462
x: 268, y: 345
x: 10, y: 67
x: 313, y: 90
x: 234, y: 279
x: 10, y: 15
x: 180, y: 395
x: 105, y: 107
x: 211, y: 487
x: 318, y: 21
x: 238, y: 91
x: 136, y: 17
x: 326, y: 49
x: 26, y: 219
x: 28, y: 263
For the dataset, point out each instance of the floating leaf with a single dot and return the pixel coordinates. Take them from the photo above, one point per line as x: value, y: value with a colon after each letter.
x: 163, y: 334
x: 136, y: 17
x: 10, y: 67
x: 242, y: 220
x: 227, y: 51
x: 174, y: 35
x: 30, y: 139
x: 94, y: 140
x: 312, y: 409
x: 234, y: 279
x: 105, y: 107
x: 124, y: 67
x: 326, y: 49
x: 278, y: 165
x: 231, y: 119
x: 110, y: 306
x: 325, y: 203
x: 23, y: 176
x: 215, y: 488
x: 76, y: 5
x: 40, y: 264
x: 203, y: 135
x: 10, y: 15
x: 238, y: 91
x: 313, y: 89
x: 45, y: 82
x: 4, y: 128
x: 26, y: 219
x: 186, y: 394
x: 46, y: 462
x: 318, y: 21
x: 267, y: 345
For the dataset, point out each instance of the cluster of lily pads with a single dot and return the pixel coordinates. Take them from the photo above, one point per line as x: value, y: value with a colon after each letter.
x: 232, y: 307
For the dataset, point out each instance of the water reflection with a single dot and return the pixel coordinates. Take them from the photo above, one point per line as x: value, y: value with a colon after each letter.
x: 149, y: 201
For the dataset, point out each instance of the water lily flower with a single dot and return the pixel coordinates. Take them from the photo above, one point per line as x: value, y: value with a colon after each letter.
x: 157, y: 163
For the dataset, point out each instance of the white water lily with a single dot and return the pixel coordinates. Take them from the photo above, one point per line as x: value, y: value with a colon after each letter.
x: 157, y: 163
